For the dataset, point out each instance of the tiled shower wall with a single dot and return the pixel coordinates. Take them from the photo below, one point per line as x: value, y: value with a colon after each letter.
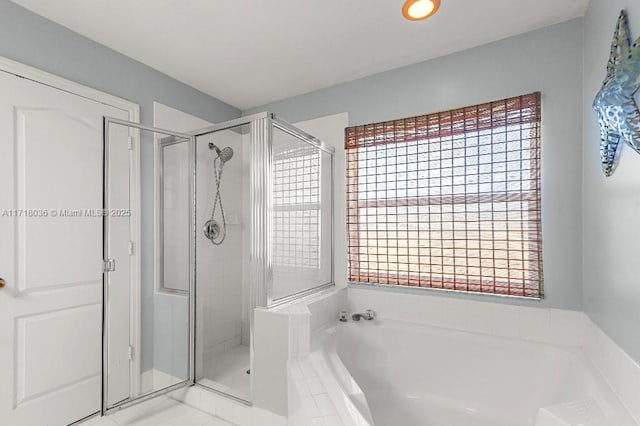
x: 219, y: 272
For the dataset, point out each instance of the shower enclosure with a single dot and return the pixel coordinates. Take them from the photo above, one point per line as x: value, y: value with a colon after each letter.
x: 233, y: 217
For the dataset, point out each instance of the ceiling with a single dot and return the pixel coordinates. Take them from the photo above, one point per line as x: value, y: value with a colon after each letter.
x: 252, y: 52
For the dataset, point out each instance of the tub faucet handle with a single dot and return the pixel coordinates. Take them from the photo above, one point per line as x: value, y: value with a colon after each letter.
x: 368, y: 315
x: 343, y: 316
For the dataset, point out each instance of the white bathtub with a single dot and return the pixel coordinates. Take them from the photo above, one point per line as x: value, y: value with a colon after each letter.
x: 390, y: 373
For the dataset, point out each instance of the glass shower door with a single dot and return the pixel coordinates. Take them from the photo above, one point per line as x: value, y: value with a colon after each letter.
x: 223, y: 360
x: 148, y: 312
x: 264, y: 237
x: 262, y: 229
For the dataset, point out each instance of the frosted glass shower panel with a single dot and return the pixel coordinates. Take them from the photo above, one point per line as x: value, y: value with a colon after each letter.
x: 302, y: 215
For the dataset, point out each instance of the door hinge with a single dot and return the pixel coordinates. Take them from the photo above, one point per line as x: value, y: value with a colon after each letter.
x: 108, y: 265
x: 130, y: 353
x: 130, y: 142
x: 131, y: 248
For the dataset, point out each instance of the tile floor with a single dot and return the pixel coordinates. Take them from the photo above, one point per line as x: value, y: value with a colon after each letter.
x: 161, y: 411
x: 228, y: 371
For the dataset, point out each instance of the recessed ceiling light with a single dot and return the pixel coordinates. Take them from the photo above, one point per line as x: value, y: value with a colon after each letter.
x: 417, y: 10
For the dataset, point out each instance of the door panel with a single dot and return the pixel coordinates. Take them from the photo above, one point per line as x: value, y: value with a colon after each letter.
x: 51, y: 180
x: 118, y: 232
x: 164, y: 319
x: 42, y: 144
x: 42, y: 333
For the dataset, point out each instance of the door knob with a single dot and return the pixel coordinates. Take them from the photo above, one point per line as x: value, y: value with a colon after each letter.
x: 2, y: 283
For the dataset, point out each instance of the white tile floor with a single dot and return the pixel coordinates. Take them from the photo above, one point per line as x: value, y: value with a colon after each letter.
x: 229, y: 371
x: 161, y: 411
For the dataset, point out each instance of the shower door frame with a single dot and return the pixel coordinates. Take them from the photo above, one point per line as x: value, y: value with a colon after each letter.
x: 135, y: 314
x: 261, y: 205
x: 260, y: 130
x: 160, y: 215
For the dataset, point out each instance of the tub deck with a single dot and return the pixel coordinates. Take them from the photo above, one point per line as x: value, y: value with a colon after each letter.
x: 390, y: 373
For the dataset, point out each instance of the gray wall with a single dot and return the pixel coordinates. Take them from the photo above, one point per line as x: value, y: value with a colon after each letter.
x: 28, y: 38
x: 548, y: 60
x: 611, y: 221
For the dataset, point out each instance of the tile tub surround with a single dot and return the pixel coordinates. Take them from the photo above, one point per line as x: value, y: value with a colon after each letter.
x: 309, y: 401
x: 395, y: 372
x: 282, y: 335
x: 620, y: 371
x: 324, y: 307
x: 298, y: 321
x: 551, y: 326
x: 541, y: 325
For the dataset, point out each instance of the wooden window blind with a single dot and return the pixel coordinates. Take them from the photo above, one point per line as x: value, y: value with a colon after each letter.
x: 449, y: 200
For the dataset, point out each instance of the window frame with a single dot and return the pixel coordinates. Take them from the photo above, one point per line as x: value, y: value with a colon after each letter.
x: 522, y: 110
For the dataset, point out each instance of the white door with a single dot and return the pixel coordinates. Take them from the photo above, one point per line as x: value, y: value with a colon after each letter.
x: 51, y: 249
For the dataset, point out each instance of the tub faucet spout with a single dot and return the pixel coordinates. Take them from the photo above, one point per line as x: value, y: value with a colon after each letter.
x: 367, y: 316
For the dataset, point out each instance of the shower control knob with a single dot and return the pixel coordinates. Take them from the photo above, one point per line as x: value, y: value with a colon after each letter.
x: 213, y: 232
x: 2, y: 283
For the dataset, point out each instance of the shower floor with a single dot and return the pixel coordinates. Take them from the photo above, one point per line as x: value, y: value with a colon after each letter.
x: 227, y: 372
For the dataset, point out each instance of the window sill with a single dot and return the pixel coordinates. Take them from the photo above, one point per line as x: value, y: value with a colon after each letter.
x: 442, y: 291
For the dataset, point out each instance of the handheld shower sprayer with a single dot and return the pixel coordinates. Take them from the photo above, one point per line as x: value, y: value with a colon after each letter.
x: 224, y: 154
x: 212, y: 228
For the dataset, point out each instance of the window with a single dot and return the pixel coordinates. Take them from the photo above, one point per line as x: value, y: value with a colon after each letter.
x: 448, y: 200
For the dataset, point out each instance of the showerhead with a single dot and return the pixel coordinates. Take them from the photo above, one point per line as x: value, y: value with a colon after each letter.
x: 225, y: 154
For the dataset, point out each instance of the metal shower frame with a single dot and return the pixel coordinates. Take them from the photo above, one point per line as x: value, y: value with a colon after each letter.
x: 261, y: 203
x: 261, y: 160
